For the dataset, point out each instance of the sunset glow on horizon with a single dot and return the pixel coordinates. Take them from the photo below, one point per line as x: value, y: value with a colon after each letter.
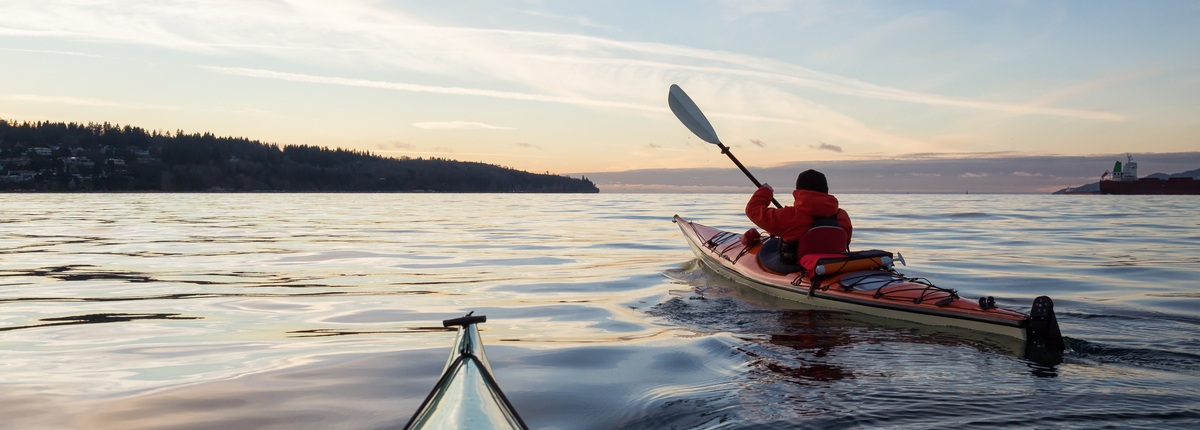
x: 571, y: 87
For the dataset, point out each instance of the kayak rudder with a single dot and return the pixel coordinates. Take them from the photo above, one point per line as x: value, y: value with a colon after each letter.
x: 1043, y: 340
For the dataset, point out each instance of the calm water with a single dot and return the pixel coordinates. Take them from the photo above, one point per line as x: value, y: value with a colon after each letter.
x: 218, y: 311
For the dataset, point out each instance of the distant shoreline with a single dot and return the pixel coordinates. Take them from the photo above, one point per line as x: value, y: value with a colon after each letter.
x: 70, y: 157
x: 291, y: 192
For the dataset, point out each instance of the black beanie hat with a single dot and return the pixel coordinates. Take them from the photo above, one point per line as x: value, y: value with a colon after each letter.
x: 812, y: 180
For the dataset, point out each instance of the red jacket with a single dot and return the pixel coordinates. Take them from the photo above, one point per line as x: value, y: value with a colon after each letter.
x: 792, y: 222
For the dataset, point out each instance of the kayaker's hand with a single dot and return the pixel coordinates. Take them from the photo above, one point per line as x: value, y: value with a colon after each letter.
x: 769, y: 186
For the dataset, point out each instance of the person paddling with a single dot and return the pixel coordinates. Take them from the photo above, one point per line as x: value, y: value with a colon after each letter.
x: 813, y: 225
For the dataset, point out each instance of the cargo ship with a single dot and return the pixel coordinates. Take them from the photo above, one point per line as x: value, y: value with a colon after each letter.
x: 1124, y: 180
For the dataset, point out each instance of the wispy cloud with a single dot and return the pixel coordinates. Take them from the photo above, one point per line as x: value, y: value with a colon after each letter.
x: 82, y: 101
x: 401, y: 86
x: 396, y: 145
x: 601, y: 70
x: 43, y: 51
x: 826, y: 147
x: 464, y: 91
x: 451, y: 125
x: 384, y: 45
x: 450, y: 152
x: 577, y: 20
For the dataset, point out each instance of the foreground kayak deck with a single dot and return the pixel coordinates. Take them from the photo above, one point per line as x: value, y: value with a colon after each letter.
x: 467, y: 395
x: 880, y: 292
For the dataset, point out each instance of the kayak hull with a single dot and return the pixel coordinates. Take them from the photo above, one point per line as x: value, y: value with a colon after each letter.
x: 880, y: 292
x: 467, y: 395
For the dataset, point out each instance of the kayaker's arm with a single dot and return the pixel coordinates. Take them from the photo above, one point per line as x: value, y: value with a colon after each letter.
x: 760, y: 212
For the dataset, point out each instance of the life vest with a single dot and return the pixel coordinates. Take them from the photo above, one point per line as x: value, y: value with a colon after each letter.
x: 825, y: 236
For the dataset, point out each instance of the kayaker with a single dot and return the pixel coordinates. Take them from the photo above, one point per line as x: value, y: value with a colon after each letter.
x: 813, y: 225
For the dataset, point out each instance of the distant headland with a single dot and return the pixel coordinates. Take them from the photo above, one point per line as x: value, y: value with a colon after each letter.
x: 64, y: 157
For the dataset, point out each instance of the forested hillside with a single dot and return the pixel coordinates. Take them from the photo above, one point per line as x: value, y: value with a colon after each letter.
x: 45, y: 156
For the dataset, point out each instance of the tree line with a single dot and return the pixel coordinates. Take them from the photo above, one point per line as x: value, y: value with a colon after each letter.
x: 48, y: 156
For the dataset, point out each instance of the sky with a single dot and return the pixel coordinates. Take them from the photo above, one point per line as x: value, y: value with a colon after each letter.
x: 580, y: 87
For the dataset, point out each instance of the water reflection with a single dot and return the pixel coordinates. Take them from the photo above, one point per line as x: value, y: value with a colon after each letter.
x: 184, y: 296
x: 90, y: 273
x: 803, y: 344
x: 792, y: 346
x: 314, y: 311
x: 100, y: 319
x: 323, y: 332
x: 812, y: 340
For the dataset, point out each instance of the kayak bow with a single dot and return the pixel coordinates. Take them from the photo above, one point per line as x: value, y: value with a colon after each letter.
x: 878, y: 291
x: 467, y: 395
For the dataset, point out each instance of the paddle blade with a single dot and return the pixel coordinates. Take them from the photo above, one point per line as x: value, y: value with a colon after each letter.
x: 689, y: 114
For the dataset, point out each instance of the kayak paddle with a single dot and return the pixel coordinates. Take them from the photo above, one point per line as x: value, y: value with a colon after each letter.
x: 691, y: 117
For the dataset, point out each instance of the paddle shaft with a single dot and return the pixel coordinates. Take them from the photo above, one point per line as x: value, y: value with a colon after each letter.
x: 725, y: 150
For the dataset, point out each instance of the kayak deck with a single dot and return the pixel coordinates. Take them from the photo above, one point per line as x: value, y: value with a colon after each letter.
x: 880, y: 292
x: 467, y: 395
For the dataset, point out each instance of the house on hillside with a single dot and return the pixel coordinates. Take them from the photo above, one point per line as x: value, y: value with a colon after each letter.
x: 75, y: 164
x: 17, y: 176
x: 9, y: 163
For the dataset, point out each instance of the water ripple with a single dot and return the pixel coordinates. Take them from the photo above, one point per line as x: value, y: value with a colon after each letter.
x: 324, y: 310
x: 98, y: 319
